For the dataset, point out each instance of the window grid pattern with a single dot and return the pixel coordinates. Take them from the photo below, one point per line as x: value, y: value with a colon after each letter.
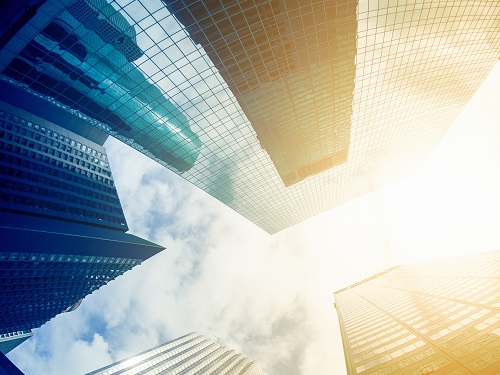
x: 35, y: 287
x: 417, y: 64
x: 188, y: 355
x: 441, y: 316
x: 49, y: 171
x: 291, y: 67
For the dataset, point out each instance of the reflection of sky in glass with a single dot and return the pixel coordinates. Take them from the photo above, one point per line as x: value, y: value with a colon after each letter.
x: 291, y: 68
x: 416, y: 68
x: 82, y: 59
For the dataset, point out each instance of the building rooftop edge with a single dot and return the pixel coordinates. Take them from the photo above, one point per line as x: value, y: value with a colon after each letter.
x: 367, y: 279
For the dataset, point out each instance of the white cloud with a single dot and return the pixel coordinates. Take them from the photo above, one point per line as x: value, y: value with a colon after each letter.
x: 59, y: 348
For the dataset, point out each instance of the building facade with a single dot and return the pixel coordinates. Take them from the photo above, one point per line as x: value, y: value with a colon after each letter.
x: 51, y: 172
x: 293, y: 76
x: 279, y: 109
x: 9, y: 341
x: 62, y: 227
x: 439, y: 317
x: 80, y: 56
x: 7, y: 367
x: 189, y: 354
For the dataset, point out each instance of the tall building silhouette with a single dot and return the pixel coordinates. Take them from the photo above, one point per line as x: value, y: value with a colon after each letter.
x: 279, y: 109
x: 7, y: 367
x: 440, y: 317
x: 188, y: 354
x: 79, y: 56
x: 62, y: 227
x: 9, y: 341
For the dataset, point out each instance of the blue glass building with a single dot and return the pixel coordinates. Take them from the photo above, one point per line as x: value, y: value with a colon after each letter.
x: 50, y: 171
x: 189, y: 354
x: 81, y: 57
x: 9, y: 341
x: 62, y: 228
x: 291, y: 67
x: 7, y: 367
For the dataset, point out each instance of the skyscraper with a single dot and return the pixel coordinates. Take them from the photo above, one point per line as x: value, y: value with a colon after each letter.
x: 62, y: 228
x: 52, y: 172
x: 7, y: 367
x: 293, y: 76
x: 9, y: 341
x: 80, y: 56
x: 189, y: 354
x: 439, y: 317
x: 279, y: 109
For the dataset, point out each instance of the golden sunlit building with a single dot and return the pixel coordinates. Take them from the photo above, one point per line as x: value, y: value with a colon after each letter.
x: 439, y: 317
x: 291, y: 68
x: 281, y: 109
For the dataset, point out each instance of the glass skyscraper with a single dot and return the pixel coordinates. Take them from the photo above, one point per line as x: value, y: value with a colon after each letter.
x: 189, y: 354
x: 439, y: 317
x: 7, y: 367
x: 9, y: 341
x: 52, y: 172
x: 62, y: 228
x: 292, y: 71
x: 279, y: 109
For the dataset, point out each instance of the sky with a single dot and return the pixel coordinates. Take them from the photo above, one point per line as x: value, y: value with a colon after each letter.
x: 271, y: 296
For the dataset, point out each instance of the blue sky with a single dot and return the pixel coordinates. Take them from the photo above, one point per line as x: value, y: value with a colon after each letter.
x: 271, y: 296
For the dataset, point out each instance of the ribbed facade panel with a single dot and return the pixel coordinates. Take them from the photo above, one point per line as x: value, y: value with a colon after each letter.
x: 62, y: 227
x: 49, y: 171
x: 188, y: 355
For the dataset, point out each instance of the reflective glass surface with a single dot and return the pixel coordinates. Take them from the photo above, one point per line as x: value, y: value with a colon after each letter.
x: 189, y: 354
x: 441, y: 316
x: 11, y: 340
x: 36, y: 287
x: 290, y: 65
x: 49, y: 171
x: 224, y: 121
